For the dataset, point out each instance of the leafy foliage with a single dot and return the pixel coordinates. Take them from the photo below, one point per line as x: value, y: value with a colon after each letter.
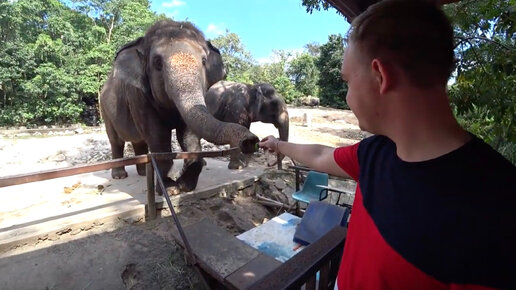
x: 484, y: 92
x: 305, y: 74
x: 54, y: 59
x: 237, y: 60
x: 332, y: 89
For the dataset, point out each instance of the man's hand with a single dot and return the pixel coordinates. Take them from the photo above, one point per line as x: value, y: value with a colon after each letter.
x: 269, y: 143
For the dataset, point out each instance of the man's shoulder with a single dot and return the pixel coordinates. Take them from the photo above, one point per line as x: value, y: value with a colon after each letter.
x: 479, y: 161
x: 372, y: 147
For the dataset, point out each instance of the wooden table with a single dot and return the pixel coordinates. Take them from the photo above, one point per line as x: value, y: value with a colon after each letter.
x: 339, y: 191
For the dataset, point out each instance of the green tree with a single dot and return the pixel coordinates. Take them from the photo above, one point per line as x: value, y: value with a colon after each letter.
x: 304, y: 73
x: 237, y: 60
x: 332, y: 89
x: 484, y: 91
x: 312, y: 5
x: 275, y: 73
x: 313, y: 49
x: 55, y: 58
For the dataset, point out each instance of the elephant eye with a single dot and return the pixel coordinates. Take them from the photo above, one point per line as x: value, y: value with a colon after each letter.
x: 204, y: 61
x: 157, y: 63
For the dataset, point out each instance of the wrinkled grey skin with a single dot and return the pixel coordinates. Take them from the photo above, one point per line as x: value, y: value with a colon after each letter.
x: 158, y: 84
x: 243, y: 104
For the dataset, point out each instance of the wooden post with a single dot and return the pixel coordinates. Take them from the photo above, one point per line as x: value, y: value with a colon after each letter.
x: 151, y: 201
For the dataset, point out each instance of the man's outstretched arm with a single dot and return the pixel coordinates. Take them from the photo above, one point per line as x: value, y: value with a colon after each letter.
x: 316, y: 156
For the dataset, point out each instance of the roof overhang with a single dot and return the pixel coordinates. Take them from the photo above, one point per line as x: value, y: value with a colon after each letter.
x: 352, y: 8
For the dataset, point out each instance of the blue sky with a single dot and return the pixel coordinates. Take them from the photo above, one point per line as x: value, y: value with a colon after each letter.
x: 263, y: 25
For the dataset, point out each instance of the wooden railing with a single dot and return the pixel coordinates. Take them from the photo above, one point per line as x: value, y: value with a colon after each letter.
x: 79, y: 169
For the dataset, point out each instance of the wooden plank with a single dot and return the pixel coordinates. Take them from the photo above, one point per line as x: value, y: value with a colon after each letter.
x: 310, y: 284
x: 79, y: 169
x: 193, y: 155
x: 252, y: 272
x: 62, y: 172
x: 218, y: 252
x: 324, y: 276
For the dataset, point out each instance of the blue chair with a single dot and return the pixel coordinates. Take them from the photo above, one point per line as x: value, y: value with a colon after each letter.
x: 310, y: 191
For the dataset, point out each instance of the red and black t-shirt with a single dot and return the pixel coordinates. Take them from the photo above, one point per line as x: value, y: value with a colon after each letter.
x: 444, y: 223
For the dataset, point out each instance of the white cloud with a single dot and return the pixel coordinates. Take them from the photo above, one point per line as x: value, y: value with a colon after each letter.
x: 173, y: 3
x: 215, y: 30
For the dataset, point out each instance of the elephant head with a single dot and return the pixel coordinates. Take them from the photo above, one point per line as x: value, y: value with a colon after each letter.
x: 269, y: 107
x: 174, y: 67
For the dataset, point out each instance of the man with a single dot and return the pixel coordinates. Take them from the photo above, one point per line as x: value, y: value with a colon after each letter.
x: 434, y: 205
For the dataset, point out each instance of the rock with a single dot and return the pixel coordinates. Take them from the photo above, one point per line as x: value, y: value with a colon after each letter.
x: 310, y: 101
x: 280, y: 184
x: 57, y: 158
x: 79, y: 131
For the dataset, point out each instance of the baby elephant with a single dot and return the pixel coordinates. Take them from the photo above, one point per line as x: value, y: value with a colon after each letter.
x: 243, y: 104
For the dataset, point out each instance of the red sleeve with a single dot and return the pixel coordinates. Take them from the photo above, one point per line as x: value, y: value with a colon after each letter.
x: 347, y: 159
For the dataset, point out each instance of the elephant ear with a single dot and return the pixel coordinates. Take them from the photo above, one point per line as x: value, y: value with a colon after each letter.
x: 215, y: 69
x: 129, y: 65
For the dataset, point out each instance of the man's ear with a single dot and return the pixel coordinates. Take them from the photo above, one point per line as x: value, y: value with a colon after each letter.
x: 382, y: 74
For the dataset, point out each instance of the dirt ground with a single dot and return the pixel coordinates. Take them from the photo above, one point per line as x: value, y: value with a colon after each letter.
x: 154, y: 260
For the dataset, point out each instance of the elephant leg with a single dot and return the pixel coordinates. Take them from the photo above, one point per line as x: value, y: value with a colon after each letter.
x: 159, y: 141
x: 155, y: 134
x: 117, y: 150
x: 140, y: 148
x: 238, y: 160
x: 192, y: 168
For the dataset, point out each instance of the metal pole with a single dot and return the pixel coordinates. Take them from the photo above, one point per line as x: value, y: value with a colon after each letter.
x: 151, y: 200
x: 174, y: 215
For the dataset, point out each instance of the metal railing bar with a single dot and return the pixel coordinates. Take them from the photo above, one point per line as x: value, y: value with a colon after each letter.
x: 171, y: 207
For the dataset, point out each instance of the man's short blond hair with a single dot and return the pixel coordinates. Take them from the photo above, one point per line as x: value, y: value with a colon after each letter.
x: 414, y: 35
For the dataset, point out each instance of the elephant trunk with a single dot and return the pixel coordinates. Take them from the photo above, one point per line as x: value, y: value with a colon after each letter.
x: 283, y: 133
x: 283, y: 126
x: 186, y: 84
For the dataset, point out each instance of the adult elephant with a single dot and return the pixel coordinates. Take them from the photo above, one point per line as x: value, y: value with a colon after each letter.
x: 158, y: 84
x: 243, y: 104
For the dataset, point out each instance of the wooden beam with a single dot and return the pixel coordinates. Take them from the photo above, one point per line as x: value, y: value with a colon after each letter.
x: 79, y: 169
x: 68, y: 171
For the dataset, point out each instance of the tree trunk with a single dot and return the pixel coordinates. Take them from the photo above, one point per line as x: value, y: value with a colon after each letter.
x: 111, y: 29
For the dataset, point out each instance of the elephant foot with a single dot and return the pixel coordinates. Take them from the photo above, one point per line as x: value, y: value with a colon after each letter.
x: 237, y: 164
x: 173, y: 191
x: 140, y: 168
x: 188, y: 180
x: 118, y: 173
x: 171, y: 186
x: 168, y: 182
